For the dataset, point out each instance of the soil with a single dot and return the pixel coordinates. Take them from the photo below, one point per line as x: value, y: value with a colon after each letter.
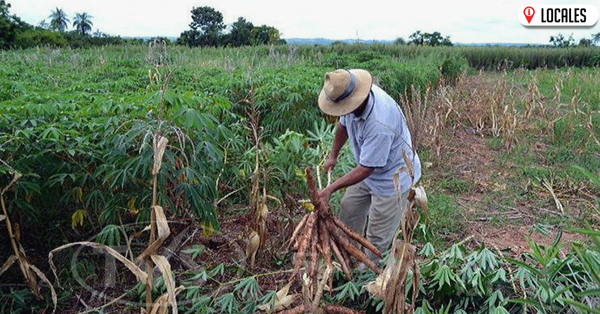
x: 474, y: 161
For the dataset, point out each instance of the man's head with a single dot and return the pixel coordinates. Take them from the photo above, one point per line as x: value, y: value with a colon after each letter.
x: 344, y: 91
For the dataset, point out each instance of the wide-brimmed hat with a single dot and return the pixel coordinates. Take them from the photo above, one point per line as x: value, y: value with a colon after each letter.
x: 344, y: 91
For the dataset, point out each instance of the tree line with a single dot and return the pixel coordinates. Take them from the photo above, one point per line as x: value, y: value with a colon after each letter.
x: 207, y: 29
x: 16, y: 33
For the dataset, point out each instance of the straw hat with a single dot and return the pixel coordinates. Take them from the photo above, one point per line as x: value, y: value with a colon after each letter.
x: 344, y: 91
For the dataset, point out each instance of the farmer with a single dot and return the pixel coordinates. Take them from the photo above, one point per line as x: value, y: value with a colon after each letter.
x: 376, y: 129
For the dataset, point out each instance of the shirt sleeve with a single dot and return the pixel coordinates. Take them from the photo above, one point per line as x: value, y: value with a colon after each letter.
x: 376, y: 148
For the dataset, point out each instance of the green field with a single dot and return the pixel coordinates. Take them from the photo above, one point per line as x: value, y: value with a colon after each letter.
x: 509, y: 139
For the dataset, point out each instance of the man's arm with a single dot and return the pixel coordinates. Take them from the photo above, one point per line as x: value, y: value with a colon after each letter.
x: 341, y: 135
x: 356, y: 175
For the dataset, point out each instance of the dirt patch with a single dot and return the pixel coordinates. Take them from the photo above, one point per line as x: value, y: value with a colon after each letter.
x: 512, y: 239
x: 471, y: 158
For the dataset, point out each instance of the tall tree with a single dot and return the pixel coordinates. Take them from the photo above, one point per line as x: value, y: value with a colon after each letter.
x: 429, y: 39
x: 400, y: 41
x: 241, y: 32
x: 83, y: 22
x: 9, y: 26
x: 58, y: 20
x: 266, y: 35
x: 561, y: 42
x: 207, y: 24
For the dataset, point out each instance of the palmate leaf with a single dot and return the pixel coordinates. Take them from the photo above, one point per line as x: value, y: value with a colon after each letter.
x: 444, y: 276
x: 524, y: 265
x: 249, y: 287
x: 349, y: 290
x: 227, y: 304
x: 428, y: 250
x: 195, y: 250
x: 487, y: 260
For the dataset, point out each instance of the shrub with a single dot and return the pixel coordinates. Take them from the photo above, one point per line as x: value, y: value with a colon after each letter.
x: 35, y: 37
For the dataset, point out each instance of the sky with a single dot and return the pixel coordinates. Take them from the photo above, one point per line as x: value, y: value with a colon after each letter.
x: 466, y: 21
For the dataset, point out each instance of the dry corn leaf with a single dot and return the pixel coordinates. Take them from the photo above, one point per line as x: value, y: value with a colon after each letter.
x: 161, y: 305
x: 11, y: 260
x: 163, y: 233
x: 378, y: 286
x: 281, y: 302
x: 2, y: 217
x: 264, y: 211
x: 28, y: 273
x: 160, y: 144
x: 140, y: 274
x: 165, y: 269
x: 252, y: 247
x: 421, y: 200
x: 45, y: 279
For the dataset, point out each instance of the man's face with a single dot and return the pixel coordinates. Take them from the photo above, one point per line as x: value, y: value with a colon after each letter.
x: 358, y: 111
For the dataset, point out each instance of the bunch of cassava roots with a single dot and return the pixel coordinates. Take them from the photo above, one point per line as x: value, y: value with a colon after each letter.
x: 318, y: 236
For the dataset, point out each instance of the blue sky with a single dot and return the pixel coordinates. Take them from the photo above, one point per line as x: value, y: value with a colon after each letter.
x: 466, y: 21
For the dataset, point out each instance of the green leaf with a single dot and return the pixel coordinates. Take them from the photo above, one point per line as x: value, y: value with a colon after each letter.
x: 227, y: 304
x: 248, y: 286
x: 524, y: 265
x: 587, y: 293
x: 346, y: 291
x: 582, y: 307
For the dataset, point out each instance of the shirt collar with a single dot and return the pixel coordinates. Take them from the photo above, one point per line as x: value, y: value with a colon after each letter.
x: 367, y: 112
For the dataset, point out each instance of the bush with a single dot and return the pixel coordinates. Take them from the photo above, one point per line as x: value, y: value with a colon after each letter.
x: 35, y: 37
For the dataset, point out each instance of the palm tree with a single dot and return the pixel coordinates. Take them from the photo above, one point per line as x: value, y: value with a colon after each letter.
x: 58, y: 20
x: 83, y: 22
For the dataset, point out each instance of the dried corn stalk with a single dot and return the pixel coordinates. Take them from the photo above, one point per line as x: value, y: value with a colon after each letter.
x: 29, y: 270
x: 159, y: 231
x: 391, y: 284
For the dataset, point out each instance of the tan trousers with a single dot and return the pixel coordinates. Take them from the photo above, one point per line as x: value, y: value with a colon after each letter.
x: 380, y: 214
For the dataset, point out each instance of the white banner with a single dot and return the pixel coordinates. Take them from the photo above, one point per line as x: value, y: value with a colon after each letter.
x: 549, y: 15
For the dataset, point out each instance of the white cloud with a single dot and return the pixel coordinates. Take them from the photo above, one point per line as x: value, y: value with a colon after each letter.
x: 466, y: 20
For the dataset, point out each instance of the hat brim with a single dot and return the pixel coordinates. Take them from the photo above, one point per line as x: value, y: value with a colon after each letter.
x: 364, y: 81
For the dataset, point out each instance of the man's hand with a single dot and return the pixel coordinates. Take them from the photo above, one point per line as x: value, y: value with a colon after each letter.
x: 356, y: 175
x: 330, y: 163
x: 325, y: 194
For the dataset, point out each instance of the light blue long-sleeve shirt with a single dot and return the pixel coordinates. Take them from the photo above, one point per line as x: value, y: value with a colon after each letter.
x: 378, y: 138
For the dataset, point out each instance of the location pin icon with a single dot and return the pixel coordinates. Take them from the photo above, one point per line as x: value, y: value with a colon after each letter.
x: 529, y: 12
